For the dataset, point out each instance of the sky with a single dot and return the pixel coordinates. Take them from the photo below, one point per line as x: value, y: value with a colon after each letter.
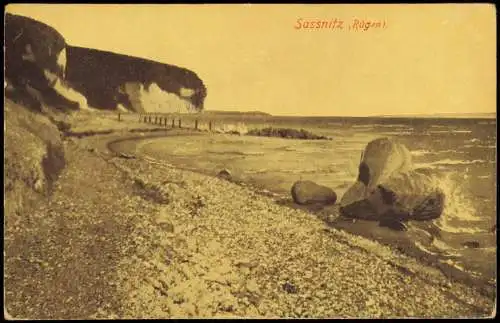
x: 420, y: 58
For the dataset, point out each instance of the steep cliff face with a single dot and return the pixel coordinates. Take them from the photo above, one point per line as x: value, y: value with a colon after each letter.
x: 42, y: 70
x: 32, y: 50
x: 35, y: 64
x: 110, y: 81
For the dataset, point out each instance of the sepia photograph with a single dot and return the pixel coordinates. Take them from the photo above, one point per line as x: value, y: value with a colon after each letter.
x: 246, y: 161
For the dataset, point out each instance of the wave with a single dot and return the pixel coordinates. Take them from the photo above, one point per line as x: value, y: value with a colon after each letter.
x: 480, y: 146
x: 451, y: 162
x: 439, y: 248
x: 424, y: 249
x: 441, y: 245
x: 239, y: 127
x: 299, y: 171
x: 398, y: 133
x: 360, y: 148
x: 393, y: 126
x: 363, y: 126
x: 287, y: 148
x: 422, y: 152
x: 459, y: 213
x: 237, y: 152
x: 257, y: 171
x: 448, y: 131
x: 428, y: 152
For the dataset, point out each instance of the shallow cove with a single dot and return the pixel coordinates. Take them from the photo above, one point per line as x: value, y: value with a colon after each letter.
x: 272, y: 176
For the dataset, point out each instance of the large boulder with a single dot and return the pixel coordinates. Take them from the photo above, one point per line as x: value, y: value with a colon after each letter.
x: 308, y: 192
x: 388, y: 188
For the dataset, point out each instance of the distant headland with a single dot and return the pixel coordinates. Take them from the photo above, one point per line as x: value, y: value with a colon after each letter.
x: 238, y: 113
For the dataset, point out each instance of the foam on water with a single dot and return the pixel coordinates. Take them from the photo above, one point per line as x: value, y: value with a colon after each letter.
x: 424, y: 152
x: 398, y: 133
x: 480, y: 146
x: 405, y: 126
x: 459, y: 213
x: 449, y: 131
x: 449, y: 162
x: 236, y: 152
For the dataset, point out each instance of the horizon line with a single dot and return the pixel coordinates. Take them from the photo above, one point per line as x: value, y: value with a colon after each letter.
x: 488, y: 115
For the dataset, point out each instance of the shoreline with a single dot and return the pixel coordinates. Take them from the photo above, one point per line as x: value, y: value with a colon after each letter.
x: 194, y: 255
x: 399, y: 242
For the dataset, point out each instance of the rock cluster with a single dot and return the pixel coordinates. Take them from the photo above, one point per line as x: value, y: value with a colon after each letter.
x: 388, y: 189
x: 286, y: 133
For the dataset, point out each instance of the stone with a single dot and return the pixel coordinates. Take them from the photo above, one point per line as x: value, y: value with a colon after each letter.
x: 387, y: 184
x: 252, y: 286
x: 126, y: 156
x: 165, y: 225
x: 246, y: 263
x: 471, y: 244
x: 289, y: 288
x: 225, y: 174
x: 39, y: 186
x: 308, y: 192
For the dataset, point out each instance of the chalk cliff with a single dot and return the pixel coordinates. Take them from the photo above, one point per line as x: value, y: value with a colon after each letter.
x: 109, y: 80
x: 42, y: 67
x: 35, y: 64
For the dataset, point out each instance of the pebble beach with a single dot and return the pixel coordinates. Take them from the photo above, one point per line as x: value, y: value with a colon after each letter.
x: 146, y: 239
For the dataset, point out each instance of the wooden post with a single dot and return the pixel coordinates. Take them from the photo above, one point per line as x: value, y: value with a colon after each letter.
x: 149, y: 119
x: 118, y: 116
x: 180, y: 126
x: 166, y: 119
x: 173, y: 123
x: 196, y: 124
x: 210, y: 125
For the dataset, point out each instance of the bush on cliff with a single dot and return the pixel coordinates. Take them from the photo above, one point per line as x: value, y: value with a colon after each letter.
x: 286, y: 133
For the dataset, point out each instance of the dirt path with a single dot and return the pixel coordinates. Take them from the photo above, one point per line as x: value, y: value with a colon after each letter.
x: 61, y: 256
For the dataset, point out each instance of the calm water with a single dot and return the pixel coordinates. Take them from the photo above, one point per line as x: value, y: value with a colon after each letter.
x: 460, y: 152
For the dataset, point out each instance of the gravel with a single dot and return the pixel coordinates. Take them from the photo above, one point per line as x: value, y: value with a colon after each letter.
x: 100, y: 248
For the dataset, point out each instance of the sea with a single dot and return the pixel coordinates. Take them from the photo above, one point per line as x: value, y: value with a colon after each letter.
x: 460, y: 153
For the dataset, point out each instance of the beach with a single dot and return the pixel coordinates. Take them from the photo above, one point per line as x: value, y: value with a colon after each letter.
x: 130, y: 236
x: 347, y: 172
